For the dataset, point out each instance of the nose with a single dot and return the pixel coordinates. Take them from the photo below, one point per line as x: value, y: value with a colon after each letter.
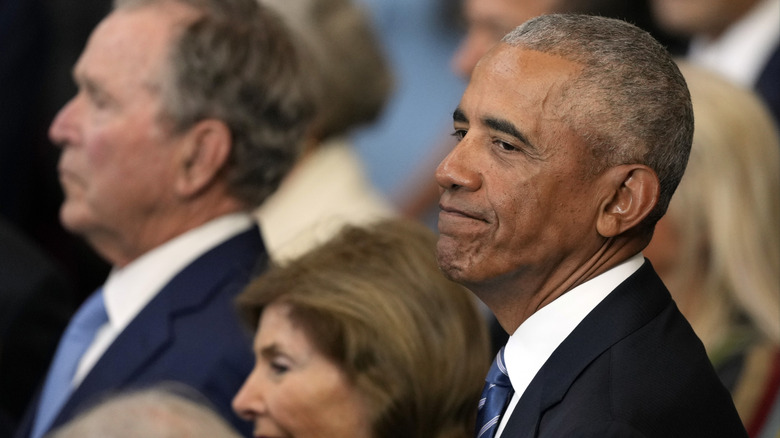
x: 456, y: 170
x: 248, y: 402
x: 64, y: 128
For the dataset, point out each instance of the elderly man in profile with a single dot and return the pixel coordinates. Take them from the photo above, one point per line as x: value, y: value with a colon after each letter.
x: 573, y: 134
x: 188, y: 114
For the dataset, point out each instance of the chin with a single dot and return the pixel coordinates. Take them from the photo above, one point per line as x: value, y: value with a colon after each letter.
x: 452, y: 268
x: 454, y: 263
x: 73, y: 218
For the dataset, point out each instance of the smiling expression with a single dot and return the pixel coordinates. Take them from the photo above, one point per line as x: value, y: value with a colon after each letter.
x: 518, y: 203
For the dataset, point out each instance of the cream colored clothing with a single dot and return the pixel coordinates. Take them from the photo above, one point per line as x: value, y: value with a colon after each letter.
x: 325, y: 191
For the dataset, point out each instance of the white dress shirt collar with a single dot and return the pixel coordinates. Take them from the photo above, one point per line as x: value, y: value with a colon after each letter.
x: 129, y: 289
x: 538, y: 336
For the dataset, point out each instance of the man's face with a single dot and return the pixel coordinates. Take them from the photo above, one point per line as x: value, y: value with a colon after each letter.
x: 518, y: 198
x: 117, y: 162
x: 487, y: 21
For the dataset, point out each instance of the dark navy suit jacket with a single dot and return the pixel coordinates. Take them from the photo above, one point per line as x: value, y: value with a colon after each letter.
x: 768, y: 84
x: 632, y: 368
x: 188, y: 333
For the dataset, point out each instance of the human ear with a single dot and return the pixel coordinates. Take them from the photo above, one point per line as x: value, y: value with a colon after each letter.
x: 632, y: 194
x: 204, y: 154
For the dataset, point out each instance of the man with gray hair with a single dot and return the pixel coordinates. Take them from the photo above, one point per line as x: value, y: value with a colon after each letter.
x: 573, y: 134
x: 160, y: 412
x: 188, y: 115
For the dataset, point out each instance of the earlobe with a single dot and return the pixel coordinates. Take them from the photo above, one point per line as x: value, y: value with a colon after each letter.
x: 634, y: 194
x: 206, y: 150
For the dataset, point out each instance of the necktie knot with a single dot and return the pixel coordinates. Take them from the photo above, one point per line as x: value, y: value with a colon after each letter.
x: 495, y: 397
x: 90, y: 316
x: 497, y: 375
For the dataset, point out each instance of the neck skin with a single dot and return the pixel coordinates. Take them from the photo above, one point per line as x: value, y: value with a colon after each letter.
x: 161, y: 225
x: 513, y: 298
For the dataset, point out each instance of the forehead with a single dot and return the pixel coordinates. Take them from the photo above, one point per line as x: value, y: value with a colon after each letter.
x: 276, y: 327
x: 131, y: 43
x: 523, y: 86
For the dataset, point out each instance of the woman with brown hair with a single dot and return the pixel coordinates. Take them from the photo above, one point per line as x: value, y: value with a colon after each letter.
x: 364, y: 337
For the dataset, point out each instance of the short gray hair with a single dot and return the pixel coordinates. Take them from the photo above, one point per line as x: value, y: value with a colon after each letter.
x: 167, y: 411
x: 237, y: 63
x: 630, y: 102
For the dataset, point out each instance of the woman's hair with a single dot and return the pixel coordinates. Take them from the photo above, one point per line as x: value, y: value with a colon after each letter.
x: 374, y: 302
x: 349, y: 74
x: 727, y: 211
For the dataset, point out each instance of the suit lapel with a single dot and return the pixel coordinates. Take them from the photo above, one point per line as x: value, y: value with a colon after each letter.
x: 630, y: 306
x: 768, y: 86
x: 149, y: 333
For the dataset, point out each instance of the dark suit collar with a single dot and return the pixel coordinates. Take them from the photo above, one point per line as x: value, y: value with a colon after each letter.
x: 767, y: 85
x: 631, y: 305
x: 149, y: 332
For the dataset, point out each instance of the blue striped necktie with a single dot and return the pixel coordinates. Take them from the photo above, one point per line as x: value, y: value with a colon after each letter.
x: 495, y: 397
x: 74, y: 343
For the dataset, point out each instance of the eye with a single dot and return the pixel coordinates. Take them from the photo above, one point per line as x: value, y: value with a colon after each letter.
x: 504, y: 146
x: 278, y: 366
x: 100, y: 100
x: 459, y: 134
x: 95, y: 95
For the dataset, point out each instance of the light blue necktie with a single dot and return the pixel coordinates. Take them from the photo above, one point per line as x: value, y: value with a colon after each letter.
x: 78, y: 336
x: 495, y: 397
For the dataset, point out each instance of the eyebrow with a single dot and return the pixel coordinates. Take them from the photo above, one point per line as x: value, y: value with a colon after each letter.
x: 496, y: 124
x: 269, y: 351
x: 459, y: 116
x: 89, y: 84
x: 505, y: 126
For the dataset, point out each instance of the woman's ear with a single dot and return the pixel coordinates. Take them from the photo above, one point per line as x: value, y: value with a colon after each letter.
x: 633, y: 193
x: 204, y: 154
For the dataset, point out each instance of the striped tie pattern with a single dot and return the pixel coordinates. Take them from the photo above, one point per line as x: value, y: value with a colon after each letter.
x: 78, y: 336
x: 495, y: 397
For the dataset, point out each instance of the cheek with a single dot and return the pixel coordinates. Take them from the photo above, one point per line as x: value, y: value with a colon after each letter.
x: 520, y: 216
x: 105, y: 151
x: 297, y: 410
x: 322, y: 408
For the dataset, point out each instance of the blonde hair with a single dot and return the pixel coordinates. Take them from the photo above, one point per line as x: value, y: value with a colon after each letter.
x: 374, y: 302
x: 727, y: 211
x: 353, y: 79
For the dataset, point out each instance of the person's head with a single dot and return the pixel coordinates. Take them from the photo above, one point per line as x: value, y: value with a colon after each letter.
x: 350, y: 75
x: 699, y: 17
x: 573, y: 133
x: 166, y: 412
x: 364, y: 337
x: 718, y: 247
x: 487, y: 21
x: 186, y: 110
